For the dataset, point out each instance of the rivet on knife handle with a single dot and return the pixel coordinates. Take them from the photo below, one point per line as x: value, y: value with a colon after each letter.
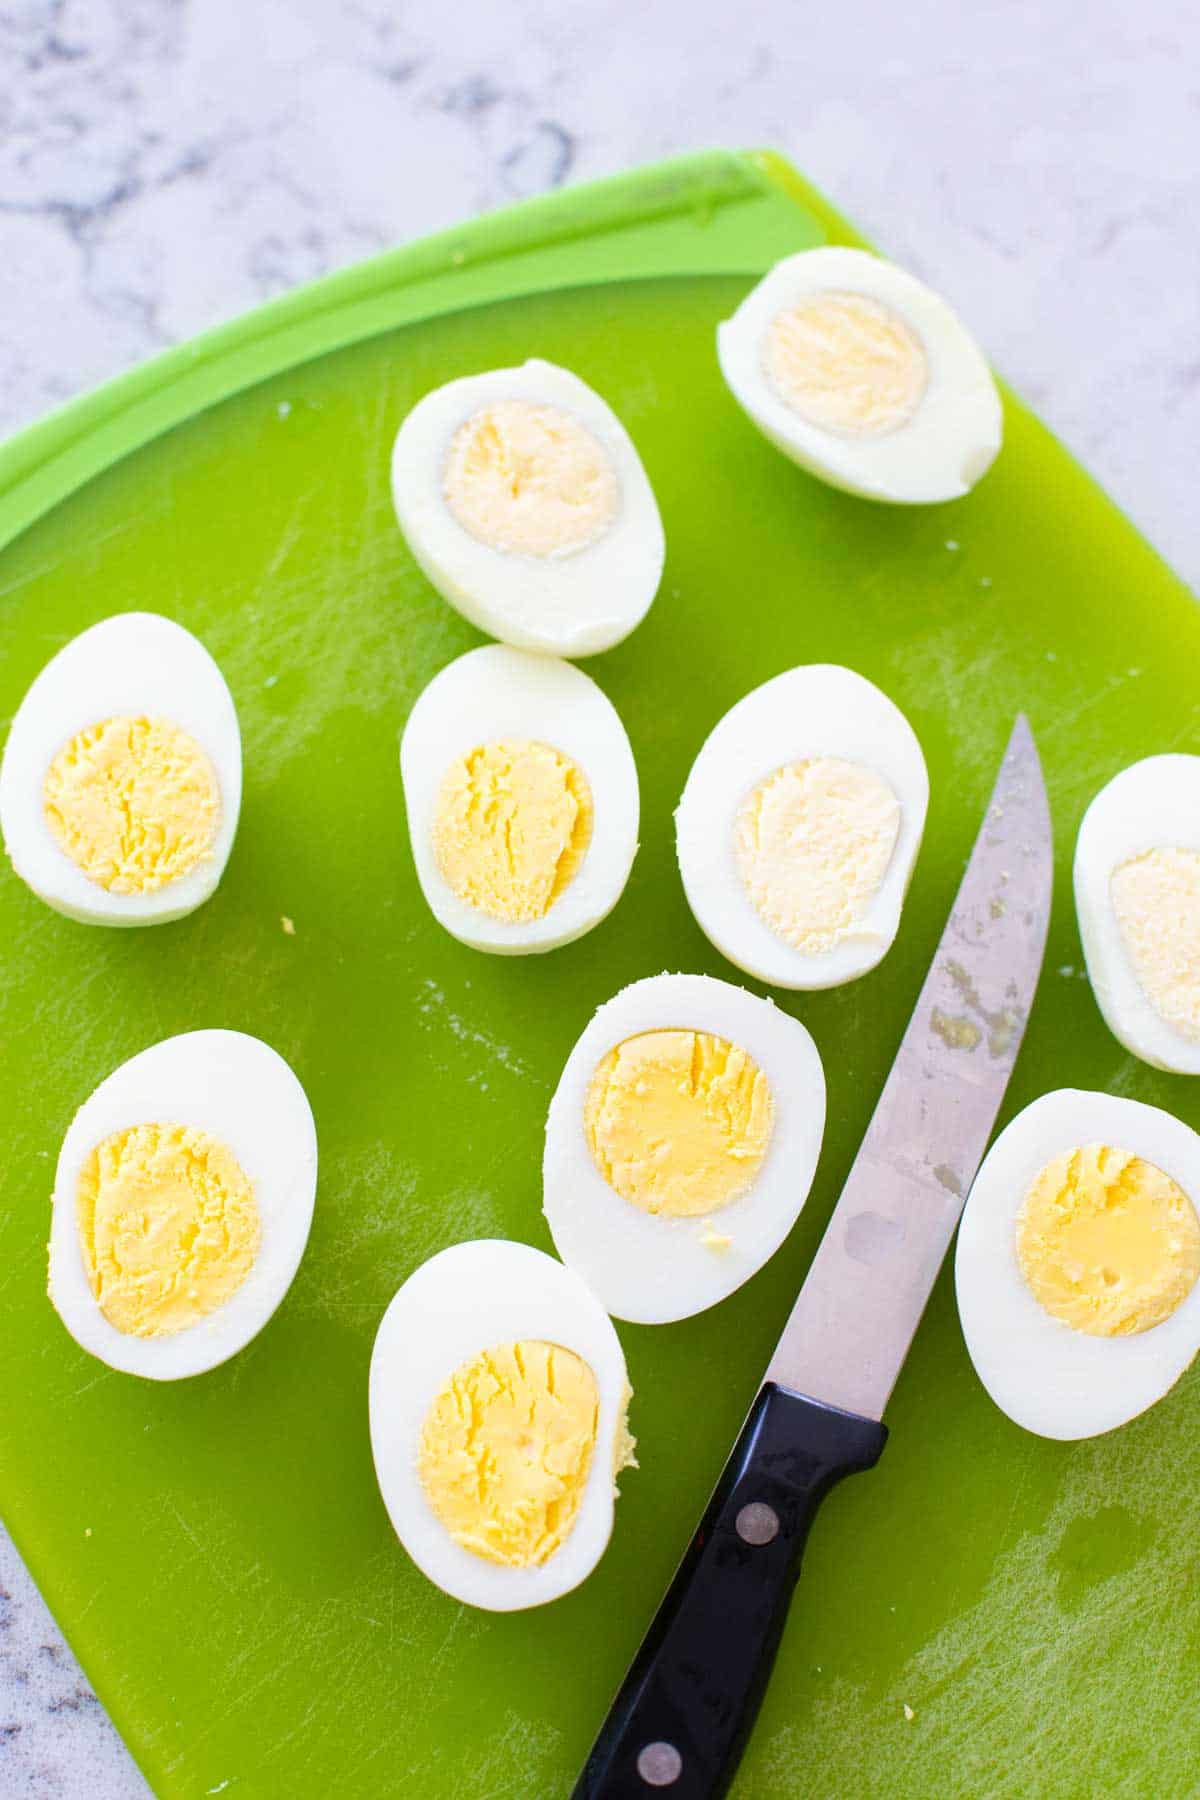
x: 687, y: 1705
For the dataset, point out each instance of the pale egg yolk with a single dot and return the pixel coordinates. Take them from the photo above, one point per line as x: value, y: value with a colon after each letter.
x: 678, y: 1122
x: 1107, y: 1242
x: 812, y: 844
x: 530, y: 479
x: 511, y: 827
x: 505, y: 1450
x: 1156, y: 899
x: 168, y: 1227
x: 846, y: 363
x: 133, y: 802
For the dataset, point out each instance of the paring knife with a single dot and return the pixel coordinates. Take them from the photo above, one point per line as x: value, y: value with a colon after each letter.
x: 682, y: 1717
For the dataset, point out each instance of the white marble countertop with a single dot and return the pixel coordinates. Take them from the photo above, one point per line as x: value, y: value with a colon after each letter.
x: 163, y: 166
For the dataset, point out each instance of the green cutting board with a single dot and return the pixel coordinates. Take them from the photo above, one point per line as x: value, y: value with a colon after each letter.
x: 216, y: 1549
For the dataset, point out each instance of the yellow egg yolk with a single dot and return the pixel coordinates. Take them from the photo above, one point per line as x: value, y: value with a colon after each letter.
x: 812, y: 844
x: 1107, y: 1242
x: 133, y: 802
x: 678, y: 1122
x: 505, y: 1451
x: 511, y: 827
x: 530, y: 479
x: 168, y: 1227
x: 846, y: 363
x: 1156, y: 899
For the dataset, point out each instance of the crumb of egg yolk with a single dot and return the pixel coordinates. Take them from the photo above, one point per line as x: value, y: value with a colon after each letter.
x: 678, y: 1122
x: 168, y: 1227
x: 134, y: 802
x: 625, y: 1447
x: 505, y: 1450
x: 812, y: 844
x: 1107, y: 1242
x: 512, y: 824
x: 847, y: 364
x: 715, y: 1240
x: 1156, y: 899
x: 530, y: 479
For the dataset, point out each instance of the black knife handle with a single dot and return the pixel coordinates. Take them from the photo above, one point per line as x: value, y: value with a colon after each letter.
x: 681, y: 1719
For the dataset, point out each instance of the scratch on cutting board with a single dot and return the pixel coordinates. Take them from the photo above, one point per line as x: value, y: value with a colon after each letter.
x: 435, y: 1006
x: 1126, y: 1078
x: 88, y: 1605
x: 87, y: 1387
x: 1185, y: 735
x: 1064, y: 721
x: 185, y: 1527
x: 522, y: 1744
x: 288, y: 539
x: 327, y: 1625
x: 443, y: 1649
x: 214, y: 1563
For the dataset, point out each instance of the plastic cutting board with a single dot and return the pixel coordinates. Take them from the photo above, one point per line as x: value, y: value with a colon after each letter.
x: 216, y: 1550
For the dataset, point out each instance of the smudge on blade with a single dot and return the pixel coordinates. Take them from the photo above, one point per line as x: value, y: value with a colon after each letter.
x: 956, y: 1031
x: 1003, y: 1023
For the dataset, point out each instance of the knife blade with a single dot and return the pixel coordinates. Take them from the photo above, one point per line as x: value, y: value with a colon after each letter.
x: 682, y: 1716
x: 866, y: 1288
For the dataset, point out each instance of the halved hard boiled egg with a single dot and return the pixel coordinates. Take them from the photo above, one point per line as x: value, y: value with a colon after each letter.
x: 863, y: 376
x: 122, y: 775
x: 681, y: 1143
x: 799, y: 827
x: 522, y: 798
x: 1137, y: 894
x: 182, y: 1204
x: 498, y: 1402
x: 525, y: 502
x: 1077, y: 1262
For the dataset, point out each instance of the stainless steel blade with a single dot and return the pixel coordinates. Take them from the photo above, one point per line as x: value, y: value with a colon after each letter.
x: 866, y: 1289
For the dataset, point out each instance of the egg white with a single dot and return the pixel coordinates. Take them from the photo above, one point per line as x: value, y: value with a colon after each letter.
x: 1048, y: 1377
x: 133, y: 663
x: 956, y: 430
x: 243, y: 1093
x: 495, y: 692
x: 573, y: 604
x: 463, y: 1301
x: 817, y: 710
x: 1153, y: 805
x: 650, y: 1268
